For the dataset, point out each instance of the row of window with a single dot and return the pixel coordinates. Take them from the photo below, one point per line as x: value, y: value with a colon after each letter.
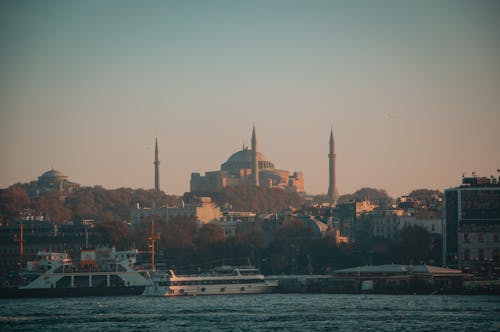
x: 480, y: 237
x: 495, y: 255
x: 211, y: 282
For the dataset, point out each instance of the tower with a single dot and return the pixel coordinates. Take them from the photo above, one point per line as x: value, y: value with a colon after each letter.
x: 333, y: 192
x: 255, y: 161
x: 157, y: 168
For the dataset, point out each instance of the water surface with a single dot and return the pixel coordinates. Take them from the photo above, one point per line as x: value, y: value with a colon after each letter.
x: 267, y: 312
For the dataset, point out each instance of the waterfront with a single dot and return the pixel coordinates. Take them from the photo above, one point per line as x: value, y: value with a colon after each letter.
x: 289, y: 312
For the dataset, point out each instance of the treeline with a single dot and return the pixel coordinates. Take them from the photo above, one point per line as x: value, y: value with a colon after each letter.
x: 95, y: 203
x: 288, y: 248
x: 252, y: 198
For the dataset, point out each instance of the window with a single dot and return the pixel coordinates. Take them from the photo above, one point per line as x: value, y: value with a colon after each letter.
x: 495, y: 237
x: 480, y: 237
x: 466, y: 254
x: 466, y: 237
x: 480, y: 253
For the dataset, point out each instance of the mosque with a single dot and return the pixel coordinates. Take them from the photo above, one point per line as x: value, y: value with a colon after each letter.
x: 54, y: 181
x: 247, y: 167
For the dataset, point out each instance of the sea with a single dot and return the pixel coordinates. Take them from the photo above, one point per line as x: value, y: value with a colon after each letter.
x: 264, y: 312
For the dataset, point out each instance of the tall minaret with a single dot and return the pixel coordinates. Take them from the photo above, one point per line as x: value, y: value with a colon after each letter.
x: 157, y: 168
x: 333, y: 192
x: 255, y: 161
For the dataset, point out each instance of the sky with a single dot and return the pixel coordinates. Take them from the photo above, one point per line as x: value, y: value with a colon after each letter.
x: 411, y: 90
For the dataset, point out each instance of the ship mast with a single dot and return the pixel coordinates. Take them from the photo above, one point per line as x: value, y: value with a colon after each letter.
x: 21, y: 248
x: 152, y: 238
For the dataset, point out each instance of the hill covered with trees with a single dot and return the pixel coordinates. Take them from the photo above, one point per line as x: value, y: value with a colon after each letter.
x: 256, y: 199
x: 95, y: 203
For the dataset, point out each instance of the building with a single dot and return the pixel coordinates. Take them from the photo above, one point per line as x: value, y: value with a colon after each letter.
x: 229, y: 227
x: 39, y: 236
x: 53, y: 181
x: 350, y: 219
x: 384, y: 223
x: 388, y: 224
x: 247, y: 167
x: 472, y: 225
x: 404, y: 279
x: 202, y: 209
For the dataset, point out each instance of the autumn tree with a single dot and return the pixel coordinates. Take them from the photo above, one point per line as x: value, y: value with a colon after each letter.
x: 378, y: 196
x: 111, y: 233
x: 252, y: 198
x: 12, y: 201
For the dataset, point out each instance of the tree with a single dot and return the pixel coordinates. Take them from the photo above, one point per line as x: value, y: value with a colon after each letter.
x: 379, y: 196
x: 112, y: 233
x: 425, y: 194
x: 12, y: 201
x: 177, y: 234
x: 252, y: 198
x: 415, y: 245
x: 210, y: 233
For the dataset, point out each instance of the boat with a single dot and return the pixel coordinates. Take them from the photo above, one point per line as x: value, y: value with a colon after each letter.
x: 222, y: 280
x: 100, y: 272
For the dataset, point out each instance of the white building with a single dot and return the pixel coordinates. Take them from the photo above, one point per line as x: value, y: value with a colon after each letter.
x: 202, y: 209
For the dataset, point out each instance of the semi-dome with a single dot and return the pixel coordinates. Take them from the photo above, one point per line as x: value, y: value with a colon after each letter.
x: 243, y: 159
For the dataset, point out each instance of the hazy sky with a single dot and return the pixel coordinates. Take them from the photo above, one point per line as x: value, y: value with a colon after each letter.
x: 411, y: 88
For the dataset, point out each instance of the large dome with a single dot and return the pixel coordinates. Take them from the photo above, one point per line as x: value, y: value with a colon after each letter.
x: 245, y: 156
x: 243, y: 159
x: 53, y: 174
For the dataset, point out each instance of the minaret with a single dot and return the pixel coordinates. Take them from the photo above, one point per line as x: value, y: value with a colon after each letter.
x: 255, y: 161
x: 333, y: 192
x: 157, y: 168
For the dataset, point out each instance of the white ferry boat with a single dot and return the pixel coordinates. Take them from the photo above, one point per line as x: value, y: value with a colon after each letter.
x: 223, y: 280
x: 100, y: 272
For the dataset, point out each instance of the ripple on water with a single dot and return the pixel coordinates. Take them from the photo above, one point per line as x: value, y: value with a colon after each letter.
x: 291, y: 312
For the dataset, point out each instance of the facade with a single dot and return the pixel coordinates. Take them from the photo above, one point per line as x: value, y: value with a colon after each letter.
x: 202, y: 209
x: 38, y: 236
x: 472, y: 225
x: 228, y: 226
x: 350, y: 219
x: 247, y: 167
x: 389, y: 223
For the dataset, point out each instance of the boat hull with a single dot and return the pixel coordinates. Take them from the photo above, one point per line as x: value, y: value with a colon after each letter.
x: 203, y: 290
x: 70, y: 292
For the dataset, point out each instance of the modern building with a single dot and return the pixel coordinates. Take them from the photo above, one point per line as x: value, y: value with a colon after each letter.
x: 247, y: 167
x: 472, y: 225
